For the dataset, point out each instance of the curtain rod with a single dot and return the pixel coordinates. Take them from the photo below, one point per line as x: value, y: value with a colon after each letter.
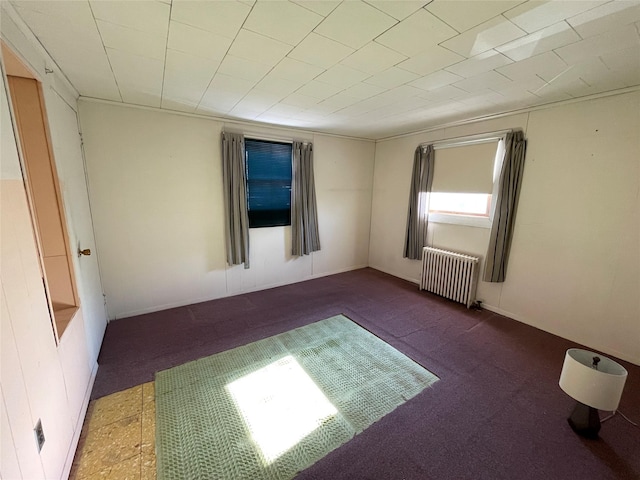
x: 467, y: 139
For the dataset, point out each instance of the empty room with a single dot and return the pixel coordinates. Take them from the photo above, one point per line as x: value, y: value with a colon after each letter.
x: 358, y: 239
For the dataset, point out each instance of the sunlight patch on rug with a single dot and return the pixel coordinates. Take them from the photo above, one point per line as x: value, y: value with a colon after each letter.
x: 280, y: 405
x: 272, y: 408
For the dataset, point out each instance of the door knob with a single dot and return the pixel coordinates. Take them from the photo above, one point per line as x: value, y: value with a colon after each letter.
x: 86, y: 251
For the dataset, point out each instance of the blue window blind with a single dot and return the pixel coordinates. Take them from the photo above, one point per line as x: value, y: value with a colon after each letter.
x: 268, y: 183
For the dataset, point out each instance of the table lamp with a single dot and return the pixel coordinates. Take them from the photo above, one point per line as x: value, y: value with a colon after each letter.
x: 596, y: 383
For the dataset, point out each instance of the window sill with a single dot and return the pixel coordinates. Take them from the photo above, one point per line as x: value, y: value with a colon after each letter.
x: 467, y: 221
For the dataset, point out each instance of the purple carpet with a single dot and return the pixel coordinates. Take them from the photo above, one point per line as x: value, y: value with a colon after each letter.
x: 496, y: 413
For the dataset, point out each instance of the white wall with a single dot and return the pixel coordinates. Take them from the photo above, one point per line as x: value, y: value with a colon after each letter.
x: 574, y: 268
x: 156, y: 190
x: 39, y: 379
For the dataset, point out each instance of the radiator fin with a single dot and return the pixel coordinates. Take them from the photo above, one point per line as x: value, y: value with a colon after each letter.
x: 451, y: 275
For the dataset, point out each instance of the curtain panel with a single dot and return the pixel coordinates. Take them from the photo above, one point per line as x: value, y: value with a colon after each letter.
x: 506, y: 205
x: 304, y: 213
x: 418, y: 212
x: 235, y: 199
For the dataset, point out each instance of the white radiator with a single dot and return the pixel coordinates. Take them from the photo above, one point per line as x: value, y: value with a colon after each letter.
x: 449, y: 274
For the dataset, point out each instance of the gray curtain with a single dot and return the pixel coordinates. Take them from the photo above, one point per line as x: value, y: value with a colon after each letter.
x: 495, y: 269
x: 304, y: 214
x: 417, y: 216
x: 235, y: 199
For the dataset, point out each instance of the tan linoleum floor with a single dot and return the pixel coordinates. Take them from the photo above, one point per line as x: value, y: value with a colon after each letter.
x: 118, y: 437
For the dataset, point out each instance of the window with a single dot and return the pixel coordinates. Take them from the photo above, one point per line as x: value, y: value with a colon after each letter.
x: 463, y: 183
x: 268, y: 183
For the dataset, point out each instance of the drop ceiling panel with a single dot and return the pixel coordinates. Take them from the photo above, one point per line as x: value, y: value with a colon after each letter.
x: 398, y: 10
x: 258, y: 48
x: 342, y: 76
x: 149, y: 17
x: 479, y: 64
x: 322, y: 7
x: 546, y: 65
x: 403, y: 36
x: 198, y: 42
x: 222, y: 18
x: 465, y: 14
x: 542, y: 41
x: 605, y: 18
x: 608, y: 42
x: 436, y: 80
x: 485, y: 36
x: 243, y: 69
x: 355, y: 23
x: 430, y: 60
x: 373, y: 58
x: 132, y: 41
x: 283, y: 21
x: 320, y: 51
x: 392, y: 77
x: 532, y: 16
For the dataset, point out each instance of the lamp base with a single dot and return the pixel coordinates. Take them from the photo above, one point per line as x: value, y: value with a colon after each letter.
x: 585, y: 421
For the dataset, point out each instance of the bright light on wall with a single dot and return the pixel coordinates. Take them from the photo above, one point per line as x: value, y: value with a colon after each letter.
x: 280, y: 405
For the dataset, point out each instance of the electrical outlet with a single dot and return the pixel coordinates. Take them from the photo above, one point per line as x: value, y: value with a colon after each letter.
x: 39, y: 432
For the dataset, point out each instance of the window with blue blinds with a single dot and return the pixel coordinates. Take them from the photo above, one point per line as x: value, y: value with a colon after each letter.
x: 268, y: 183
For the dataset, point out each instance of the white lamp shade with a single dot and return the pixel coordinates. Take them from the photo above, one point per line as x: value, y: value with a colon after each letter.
x: 599, y: 388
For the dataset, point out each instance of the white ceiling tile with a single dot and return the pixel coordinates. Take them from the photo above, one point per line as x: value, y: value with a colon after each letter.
x: 295, y: 70
x: 622, y: 60
x: 277, y: 86
x: 77, y: 14
x: 604, y: 43
x: 137, y: 97
x: 243, y: 69
x: 178, y: 105
x: 336, y: 102
x: 398, y: 10
x: 150, y: 17
x: 392, y: 77
x: 479, y: 64
x: 430, y: 60
x: 285, y: 110
x: 94, y: 79
x: 341, y: 76
x: 320, y: 51
x: 354, y: 23
x: 319, y: 90
x: 215, y: 101
x: 222, y: 18
x: 546, y: 65
x: 299, y: 100
x: 485, y: 36
x: 283, y: 21
x: 258, y: 101
x: 416, y: 33
x: 482, y: 81
x: 186, y: 77
x: 133, y: 41
x: 226, y: 84
x: 258, y: 48
x: 363, y: 90
x: 141, y: 73
x: 465, y: 14
x: 373, y: 58
x: 198, y: 42
x: 323, y: 7
x: 447, y: 92
x: 606, y: 17
x: 435, y: 80
x: 544, y: 40
x: 533, y: 16
x: 64, y: 40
